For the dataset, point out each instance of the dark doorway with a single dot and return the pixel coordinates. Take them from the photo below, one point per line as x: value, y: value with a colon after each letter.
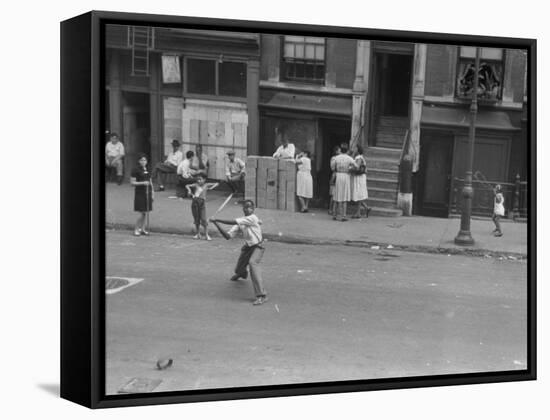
x: 332, y: 133
x: 391, y: 98
x: 136, y: 128
x: 393, y: 84
x: 436, y: 154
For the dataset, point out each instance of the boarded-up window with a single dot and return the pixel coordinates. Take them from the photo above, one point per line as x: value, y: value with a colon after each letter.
x: 490, y: 73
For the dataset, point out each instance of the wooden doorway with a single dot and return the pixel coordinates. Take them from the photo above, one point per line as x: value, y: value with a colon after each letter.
x: 135, y: 128
x: 436, y: 157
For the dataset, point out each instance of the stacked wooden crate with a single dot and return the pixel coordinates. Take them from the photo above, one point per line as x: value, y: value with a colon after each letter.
x: 271, y: 183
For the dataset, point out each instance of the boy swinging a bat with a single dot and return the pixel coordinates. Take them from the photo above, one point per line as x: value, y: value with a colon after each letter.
x: 252, y: 251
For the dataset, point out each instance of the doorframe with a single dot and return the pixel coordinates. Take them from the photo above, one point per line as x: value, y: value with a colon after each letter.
x: 373, y: 92
x: 451, y: 140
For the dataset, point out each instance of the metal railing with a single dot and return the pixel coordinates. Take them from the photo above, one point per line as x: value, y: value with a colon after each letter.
x: 516, y: 196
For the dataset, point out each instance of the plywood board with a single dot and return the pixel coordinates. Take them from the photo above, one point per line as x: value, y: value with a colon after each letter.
x: 251, y: 162
x: 194, y: 137
x: 271, y: 189
x: 250, y: 184
x: 261, y: 185
x: 281, y: 189
x: 203, y: 131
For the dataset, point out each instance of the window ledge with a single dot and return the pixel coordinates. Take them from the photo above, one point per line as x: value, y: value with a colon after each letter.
x: 303, y: 87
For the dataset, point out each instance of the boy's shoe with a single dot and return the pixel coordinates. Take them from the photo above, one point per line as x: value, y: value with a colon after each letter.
x: 208, y: 238
x: 137, y: 232
x: 498, y: 234
x: 197, y: 236
x: 145, y: 233
x: 235, y: 277
x: 260, y: 300
x: 368, y: 211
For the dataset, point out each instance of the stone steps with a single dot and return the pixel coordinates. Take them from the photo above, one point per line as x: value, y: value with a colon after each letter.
x: 387, y: 174
x: 388, y: 184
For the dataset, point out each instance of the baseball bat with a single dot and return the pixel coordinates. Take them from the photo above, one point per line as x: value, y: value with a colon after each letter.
x: 223, y: 204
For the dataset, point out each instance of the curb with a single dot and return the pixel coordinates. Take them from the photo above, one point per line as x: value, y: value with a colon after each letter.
x: 373, y: 245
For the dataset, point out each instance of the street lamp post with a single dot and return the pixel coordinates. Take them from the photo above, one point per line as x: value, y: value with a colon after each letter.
x: 464, y: 236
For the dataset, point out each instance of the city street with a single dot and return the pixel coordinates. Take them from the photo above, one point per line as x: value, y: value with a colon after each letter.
x: 334, y: 313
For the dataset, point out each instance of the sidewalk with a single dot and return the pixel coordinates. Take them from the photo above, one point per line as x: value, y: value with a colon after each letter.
x: 415, y: 233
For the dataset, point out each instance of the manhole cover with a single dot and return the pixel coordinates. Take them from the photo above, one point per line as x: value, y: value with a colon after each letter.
x: 116, y: 284
x: 139, y: 385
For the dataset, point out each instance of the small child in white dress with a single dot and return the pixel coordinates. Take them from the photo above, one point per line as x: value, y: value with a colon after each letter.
x: 498, y: 210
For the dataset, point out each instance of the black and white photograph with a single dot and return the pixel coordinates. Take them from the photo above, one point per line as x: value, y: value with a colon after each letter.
x: 275, y: 210
x: 294, y: 208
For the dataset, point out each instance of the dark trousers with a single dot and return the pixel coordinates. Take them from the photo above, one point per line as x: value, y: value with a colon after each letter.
x: 161, y: 169
x: 198, y: 209
x: 251, y: 256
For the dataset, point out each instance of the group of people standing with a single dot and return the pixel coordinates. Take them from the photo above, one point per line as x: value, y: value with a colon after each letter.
x: 348, y: 182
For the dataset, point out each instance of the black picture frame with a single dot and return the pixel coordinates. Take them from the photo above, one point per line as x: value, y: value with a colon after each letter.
x: 83, y: 211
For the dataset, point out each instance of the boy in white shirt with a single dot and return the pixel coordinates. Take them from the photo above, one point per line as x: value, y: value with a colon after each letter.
x: 252, y: 251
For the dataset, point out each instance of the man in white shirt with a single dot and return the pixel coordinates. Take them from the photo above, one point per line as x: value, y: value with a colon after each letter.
x: 200, y: 162
x: 286, y: 150
x: 185, y: 175
x: 114, y: 152
x: 252, y: 251
x: 234, y: 171
x: 169, y: 166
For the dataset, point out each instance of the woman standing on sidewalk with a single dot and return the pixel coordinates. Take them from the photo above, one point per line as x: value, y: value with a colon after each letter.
x: 304, y: 182
x: 359, y: 192
x: 143, y: 196
x: 342, y: 194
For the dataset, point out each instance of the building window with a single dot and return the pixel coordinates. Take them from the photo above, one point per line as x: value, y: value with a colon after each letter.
x: 216, y: 77
x: 232, y: 79
x: 489, y: 74
x: 304, y: 59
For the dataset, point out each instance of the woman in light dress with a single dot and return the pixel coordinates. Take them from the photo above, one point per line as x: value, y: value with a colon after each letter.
x: 304, y: 182
x: 342, y: 164
x: 359, y: 192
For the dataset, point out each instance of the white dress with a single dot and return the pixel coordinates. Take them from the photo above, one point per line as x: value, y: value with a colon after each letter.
x: 304, y: 181
x: 341, y: 165
x: 359, y: 190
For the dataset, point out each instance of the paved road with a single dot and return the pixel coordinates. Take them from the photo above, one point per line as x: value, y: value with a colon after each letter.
x: 335, y: 313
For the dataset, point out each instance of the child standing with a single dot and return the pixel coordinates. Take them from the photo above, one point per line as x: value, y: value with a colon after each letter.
x: 498, y: 211
x: 252, y: 251
x: 198, y: 205
x: 143, y: 196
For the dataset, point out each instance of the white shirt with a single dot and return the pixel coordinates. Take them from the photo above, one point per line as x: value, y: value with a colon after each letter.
x: 234, y: 168
x: 195, y: 162
x: 114, y: 150
x: 250, y: 228
x: 285, y: 152
x: 184, y: 169
x: 175, y: 158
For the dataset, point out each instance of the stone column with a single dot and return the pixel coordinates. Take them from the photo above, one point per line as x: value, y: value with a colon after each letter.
x: 115, y: 94
x: 411, y: 158
x: 417, y: 99
x: 507, y: 88
x: 252, y: 99
x: 155, y: 121
x: 360, y: 90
